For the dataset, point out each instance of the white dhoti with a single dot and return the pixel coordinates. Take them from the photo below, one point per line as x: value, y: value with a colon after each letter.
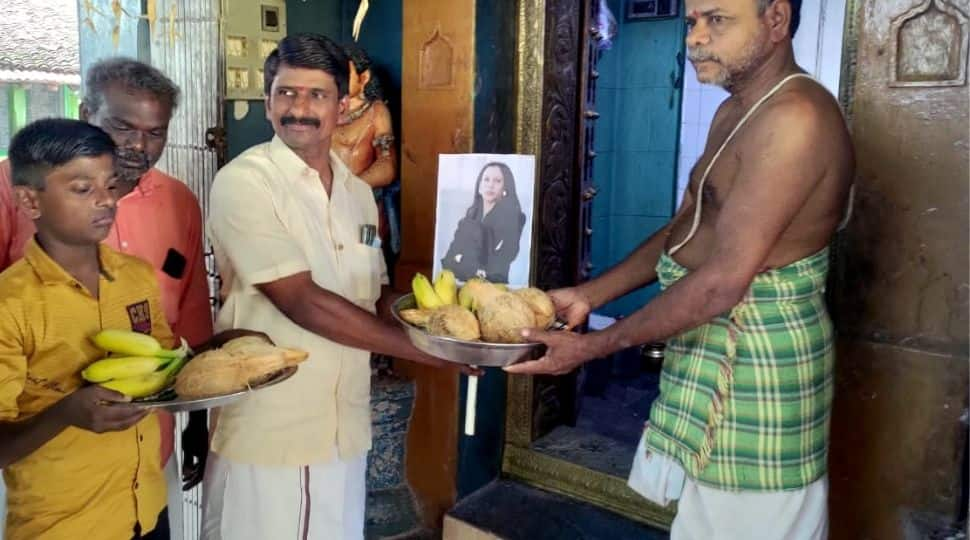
x: 312, y: 502
x: 706, y: 513
x: 173, y: 482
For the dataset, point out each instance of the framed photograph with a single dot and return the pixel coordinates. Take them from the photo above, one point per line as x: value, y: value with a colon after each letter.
x: 638, y: 10
x: 483, y: 222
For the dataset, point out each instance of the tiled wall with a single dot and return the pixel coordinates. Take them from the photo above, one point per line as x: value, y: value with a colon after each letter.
x: 638, y: 97
x: 698, y: 108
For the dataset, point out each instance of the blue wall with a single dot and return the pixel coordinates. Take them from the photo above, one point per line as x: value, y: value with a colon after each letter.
x: 380, y: 36
x: 638, y: 98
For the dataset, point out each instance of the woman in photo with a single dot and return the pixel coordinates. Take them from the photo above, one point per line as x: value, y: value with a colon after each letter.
x: 487, y: 238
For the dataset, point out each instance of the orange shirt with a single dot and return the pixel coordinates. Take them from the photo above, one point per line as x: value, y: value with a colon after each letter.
x: 15, y: 227
x: 160, y: 216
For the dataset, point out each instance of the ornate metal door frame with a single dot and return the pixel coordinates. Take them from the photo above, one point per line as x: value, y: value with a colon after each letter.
x: 554, y: 121
x: 187, y: 46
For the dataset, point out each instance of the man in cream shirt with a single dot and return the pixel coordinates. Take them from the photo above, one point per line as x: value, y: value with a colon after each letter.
x: 290, y: 225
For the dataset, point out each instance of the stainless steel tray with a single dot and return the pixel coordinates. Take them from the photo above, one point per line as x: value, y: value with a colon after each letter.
x: 169, y: 401
x: 472, y: 353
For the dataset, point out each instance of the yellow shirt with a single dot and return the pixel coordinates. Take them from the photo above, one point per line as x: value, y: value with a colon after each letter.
x: 270, y: 218
x: 79, y: 484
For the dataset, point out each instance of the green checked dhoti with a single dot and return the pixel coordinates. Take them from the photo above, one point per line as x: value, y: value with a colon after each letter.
x: 745, y: 399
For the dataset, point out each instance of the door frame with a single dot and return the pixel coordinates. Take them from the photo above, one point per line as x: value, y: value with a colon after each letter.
x: 551, y: 40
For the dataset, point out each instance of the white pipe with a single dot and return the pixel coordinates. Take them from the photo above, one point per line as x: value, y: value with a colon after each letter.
x: 471, y: 397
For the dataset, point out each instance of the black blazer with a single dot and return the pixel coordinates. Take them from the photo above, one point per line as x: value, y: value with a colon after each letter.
x: 490, y: 244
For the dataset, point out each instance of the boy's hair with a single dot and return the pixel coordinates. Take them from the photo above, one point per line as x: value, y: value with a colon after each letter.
x: 52, y: 142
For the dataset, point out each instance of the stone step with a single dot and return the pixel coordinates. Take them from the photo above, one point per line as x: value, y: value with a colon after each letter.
x: 509, y: 510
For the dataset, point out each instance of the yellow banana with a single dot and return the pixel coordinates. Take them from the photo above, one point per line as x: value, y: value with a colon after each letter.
x: 141, y: 385
x: 424, y: 293
x: 146, y: 385
x: 127, y: 342
x: 122, y: 367
x: 446, y: 287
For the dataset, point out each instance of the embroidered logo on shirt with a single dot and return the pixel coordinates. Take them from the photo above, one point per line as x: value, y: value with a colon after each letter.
x: 140, y: 317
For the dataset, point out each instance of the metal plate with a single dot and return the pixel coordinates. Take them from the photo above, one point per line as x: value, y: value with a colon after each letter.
x: 471, y: 353
x: 169, y: 401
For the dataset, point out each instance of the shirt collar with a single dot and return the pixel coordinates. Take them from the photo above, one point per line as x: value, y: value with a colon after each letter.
x: 294, y: 167
x: 50, y: 272
x: 147, y: 184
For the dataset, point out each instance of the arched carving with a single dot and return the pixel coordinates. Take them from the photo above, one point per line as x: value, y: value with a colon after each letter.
x: 930, y: 46
x: 437, y: 62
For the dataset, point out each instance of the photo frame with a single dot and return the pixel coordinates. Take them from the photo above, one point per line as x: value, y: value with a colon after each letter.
x: 483, y: 220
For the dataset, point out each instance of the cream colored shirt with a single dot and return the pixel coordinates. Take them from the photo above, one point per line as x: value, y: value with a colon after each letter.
x: 271, y: 218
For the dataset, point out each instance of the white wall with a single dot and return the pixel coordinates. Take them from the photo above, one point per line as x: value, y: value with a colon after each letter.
x: 818, y: 50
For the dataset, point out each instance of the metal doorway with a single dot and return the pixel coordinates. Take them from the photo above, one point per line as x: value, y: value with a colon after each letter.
x: 185, y: 45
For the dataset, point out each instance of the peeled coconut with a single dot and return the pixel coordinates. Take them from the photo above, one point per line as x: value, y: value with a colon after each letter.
x: 541, y: 305
x: 217, y: 372
x: 454, y: 321
x: 418, y: 317
x: 257, y: 346
x: 503, y: 317
x: 242, y: 363
x: 476, y: 292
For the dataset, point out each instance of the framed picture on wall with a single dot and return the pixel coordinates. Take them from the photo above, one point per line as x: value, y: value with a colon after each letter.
x: 483, y: 223
x: 637, y: 10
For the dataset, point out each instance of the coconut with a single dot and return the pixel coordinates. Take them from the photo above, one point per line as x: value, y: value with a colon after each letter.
x: 257, y: 346
x: 476, y: 292
x: 541, y: 305
x: 503, y: 317
x: 417, y: 317
x: 218, y: 372
x: 454, y: 321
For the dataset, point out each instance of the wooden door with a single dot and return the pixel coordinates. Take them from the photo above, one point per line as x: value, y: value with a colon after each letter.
x: 901, y: 291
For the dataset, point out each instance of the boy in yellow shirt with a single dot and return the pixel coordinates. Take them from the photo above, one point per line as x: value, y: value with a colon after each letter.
x: 79, y: 461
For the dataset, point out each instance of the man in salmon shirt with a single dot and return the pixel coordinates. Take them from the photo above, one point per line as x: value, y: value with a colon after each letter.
x: 158, y: 220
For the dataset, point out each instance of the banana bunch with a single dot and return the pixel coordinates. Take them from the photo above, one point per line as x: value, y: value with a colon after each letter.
x: 138, y: 365
x: 443, y: 292
x: 126, y: 342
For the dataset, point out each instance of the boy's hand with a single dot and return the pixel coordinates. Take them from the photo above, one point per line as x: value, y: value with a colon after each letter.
x: 98, y: 409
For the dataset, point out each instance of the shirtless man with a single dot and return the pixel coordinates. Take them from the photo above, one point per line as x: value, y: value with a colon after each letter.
x: 739, y: 432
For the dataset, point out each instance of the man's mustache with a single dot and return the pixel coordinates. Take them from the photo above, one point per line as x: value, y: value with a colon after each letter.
x: 304, y: 121
x: 132, y: 156
x: 698, y: 55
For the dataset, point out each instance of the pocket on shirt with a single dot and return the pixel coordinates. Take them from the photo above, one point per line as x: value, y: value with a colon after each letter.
x: 366, y: 273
